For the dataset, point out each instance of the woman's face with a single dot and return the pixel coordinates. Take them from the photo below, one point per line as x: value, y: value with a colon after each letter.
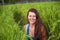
x: 32, y: 17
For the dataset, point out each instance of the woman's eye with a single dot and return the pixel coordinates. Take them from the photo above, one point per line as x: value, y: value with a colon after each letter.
x: 34, y: 16
x: 29, y: 15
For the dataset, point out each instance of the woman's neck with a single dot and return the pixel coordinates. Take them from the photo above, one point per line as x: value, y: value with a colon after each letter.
x: 32, y: 25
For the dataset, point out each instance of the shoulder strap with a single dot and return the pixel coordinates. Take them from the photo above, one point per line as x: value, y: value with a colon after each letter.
x: 28, y: 29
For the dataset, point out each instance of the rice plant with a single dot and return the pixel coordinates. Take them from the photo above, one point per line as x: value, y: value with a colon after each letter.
x: 14, y: 16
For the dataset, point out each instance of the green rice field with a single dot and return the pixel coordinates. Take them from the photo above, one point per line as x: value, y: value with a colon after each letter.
x: 13, y: 17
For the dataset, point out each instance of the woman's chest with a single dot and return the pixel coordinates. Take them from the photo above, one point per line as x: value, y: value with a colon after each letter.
x: 31, y: 32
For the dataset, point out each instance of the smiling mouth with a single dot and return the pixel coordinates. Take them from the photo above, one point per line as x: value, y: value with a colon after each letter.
x: 31, y: 20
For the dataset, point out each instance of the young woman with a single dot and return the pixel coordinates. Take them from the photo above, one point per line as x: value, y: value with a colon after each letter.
x: 35, y: 28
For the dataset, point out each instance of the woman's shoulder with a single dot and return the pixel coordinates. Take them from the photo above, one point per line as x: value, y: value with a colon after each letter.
x: 25, y: 26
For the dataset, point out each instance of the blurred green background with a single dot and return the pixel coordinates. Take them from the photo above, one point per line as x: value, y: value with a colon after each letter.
x: 13, y: 17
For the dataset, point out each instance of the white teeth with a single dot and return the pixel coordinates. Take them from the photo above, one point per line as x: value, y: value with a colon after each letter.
x: 32, y: 21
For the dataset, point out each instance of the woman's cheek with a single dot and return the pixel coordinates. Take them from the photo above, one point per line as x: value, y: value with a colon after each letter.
x: 35, y: 18
x: 29, y: 19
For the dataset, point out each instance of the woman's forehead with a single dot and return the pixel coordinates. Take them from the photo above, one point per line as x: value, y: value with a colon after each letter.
x: 32, y: 13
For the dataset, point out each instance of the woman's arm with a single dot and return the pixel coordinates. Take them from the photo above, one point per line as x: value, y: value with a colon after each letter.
x: 44, y: 33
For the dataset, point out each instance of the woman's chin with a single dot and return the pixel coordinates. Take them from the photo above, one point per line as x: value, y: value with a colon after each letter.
x: 31, y: 22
